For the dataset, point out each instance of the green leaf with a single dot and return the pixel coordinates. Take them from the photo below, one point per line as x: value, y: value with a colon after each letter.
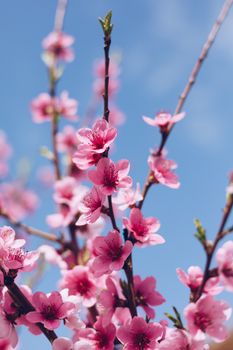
x: 106, y: 23
x: 200, y: 233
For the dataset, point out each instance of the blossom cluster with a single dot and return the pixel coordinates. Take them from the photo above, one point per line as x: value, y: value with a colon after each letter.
x: 99, y: 210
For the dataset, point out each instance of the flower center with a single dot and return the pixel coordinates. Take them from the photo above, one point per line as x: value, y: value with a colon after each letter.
x: 141, y: 341
x: 49, y: 312
x: 202, y: 321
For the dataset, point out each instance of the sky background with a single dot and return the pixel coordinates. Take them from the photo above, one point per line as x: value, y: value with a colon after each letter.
x: 159, y: 42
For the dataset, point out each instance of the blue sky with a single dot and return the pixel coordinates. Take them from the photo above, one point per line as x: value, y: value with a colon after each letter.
x: 159, y: 42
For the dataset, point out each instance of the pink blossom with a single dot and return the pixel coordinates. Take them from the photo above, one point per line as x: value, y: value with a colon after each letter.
x: 65, y: 190
x: 50, y: 309
x: 5, y: 344
x: 109, y: 176
x: 80, y: 282
x: 17, y: 201
x: 89, y: 231
x: 108, y: 301
x: 67, y: 140
x: 127, y: 197
x: 12, y: 256
x: 206, y: 316
x: 62, y: 343
x: 7, y: 329
x: 67, y: 106
x: 101, y: 337
x: 139, y: 335
x: 91, y: 206
x: 17, y: 258
x: 110, y: 253
x: 58, y: 45
x: 143, y: 229
x: 116, y: 117
x: 43, y: 108
x: 68, y: 195
x: 224, y: 258
x: 161, y: 169
x: 84, y: 160
x: 97, y: 139
x: 163, y: 120
x: 193, y: 280
x: 147, y: 295
x: 50, y: 255
x: 177, y: 339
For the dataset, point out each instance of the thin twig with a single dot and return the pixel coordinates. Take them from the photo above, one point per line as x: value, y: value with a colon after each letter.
x: 25, y: 306
x: 193, y: 76
x: 128, y: 266
x: 58, y: 26
x: 210, y: 252
x: 31, y: 230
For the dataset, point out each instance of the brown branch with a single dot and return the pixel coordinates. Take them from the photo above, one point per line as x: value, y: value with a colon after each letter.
x: 31, y: 230
x: 193, y: 76
x: 128, y: 266
x: 210, y: 252
x: 24, y: 304
x: 58, y: 25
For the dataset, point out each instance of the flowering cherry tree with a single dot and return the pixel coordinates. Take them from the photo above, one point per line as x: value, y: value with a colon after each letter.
x: 99, y: 220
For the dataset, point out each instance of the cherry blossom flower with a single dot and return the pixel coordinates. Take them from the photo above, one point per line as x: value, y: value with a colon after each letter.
x: 43, y: 108
x: 67, y: 106
x: 101, y: 337
x: 7, y: 329
x: 12, y: 256
x: 80, y: 282
x: 193, y: 280
x: 109, y: 176
x: 62, y: 343
x: 57, y: 44
x: 89, y: 231
x: 110, y: 253
x: 17, y: 201
x: 52, y: 256
x: 84, y: 160
x: 108, y: 301
x: 224, y: 259
x: 207, y: 316
x: 5, y: 344
x: 161, y: 169
x: 68, y: 195
x: 127, y: 197
x: 164, y: 119
x: 90, y: 207
x: 116, y: 117
x: 143, y: 229
x: 67, y: 140
x: 93, y: 142
x: 50, y: 309
x: 139, y: 335
x: 177, y: 339
x: 146, y: 295
x: 97, y: 139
